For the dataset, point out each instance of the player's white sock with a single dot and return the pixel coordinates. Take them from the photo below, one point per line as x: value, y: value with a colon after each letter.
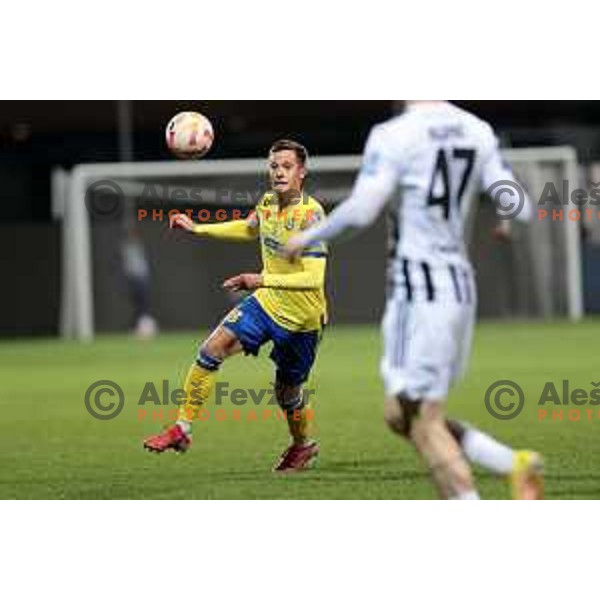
x: 186, y: 426
x: 472, y: 495
x: 485, y: 451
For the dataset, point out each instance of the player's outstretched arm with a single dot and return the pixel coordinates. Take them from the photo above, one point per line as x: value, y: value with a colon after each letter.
x: 372, y: 189
x: 239, y: 230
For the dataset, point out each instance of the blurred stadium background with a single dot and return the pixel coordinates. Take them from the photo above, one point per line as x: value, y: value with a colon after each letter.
x: 66, y: 453
x: 39, y: 141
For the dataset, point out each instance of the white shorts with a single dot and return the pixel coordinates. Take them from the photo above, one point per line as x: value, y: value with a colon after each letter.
x: 427, y: 330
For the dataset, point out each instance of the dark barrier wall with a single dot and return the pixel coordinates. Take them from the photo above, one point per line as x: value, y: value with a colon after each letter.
x: 186, y: 278
x: 29, y: 302
x: 187, y: 274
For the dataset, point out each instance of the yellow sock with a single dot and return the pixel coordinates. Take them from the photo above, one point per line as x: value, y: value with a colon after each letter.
x: 299, y: 423
x: 198, y: 385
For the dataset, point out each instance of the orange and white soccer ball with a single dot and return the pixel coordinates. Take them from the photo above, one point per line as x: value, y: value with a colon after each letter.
x: 189, y: 135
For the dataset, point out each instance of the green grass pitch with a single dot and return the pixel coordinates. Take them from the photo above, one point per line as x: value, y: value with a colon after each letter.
x: 52, y: 448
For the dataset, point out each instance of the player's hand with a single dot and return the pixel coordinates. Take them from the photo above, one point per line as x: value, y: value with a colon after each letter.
x: 293, y: 248
x: 245, y: 281
x: 181, y: 221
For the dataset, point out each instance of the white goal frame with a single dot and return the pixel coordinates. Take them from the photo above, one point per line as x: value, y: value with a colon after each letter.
x: 77, y: 308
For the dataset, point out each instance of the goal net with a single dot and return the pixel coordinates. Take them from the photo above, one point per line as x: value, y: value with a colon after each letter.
x: 536, y: 274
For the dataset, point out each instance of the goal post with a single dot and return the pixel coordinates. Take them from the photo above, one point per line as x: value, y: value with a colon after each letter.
x: 528, y: 163
x: 333, y: 175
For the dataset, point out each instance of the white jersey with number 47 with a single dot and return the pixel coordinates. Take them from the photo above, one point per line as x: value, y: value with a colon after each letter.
x: 438, y: 157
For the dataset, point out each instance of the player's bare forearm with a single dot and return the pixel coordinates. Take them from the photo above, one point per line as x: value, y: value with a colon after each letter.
x: 245, y: 281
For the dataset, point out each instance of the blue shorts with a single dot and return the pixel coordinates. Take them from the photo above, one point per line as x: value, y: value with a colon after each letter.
x: 293, y: 353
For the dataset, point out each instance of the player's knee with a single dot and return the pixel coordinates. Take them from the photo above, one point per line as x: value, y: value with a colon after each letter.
x: 212, y: 347
x: 211, y: 353
x: 413, y: 418
x: 399, y: 414
x: 220, y: 344
x: 289, y: 398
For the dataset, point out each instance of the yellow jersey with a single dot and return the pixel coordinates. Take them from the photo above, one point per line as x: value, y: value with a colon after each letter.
x: 294, y: 292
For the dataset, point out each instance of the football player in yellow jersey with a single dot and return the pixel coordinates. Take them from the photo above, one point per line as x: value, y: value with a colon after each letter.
x: 288, y: 307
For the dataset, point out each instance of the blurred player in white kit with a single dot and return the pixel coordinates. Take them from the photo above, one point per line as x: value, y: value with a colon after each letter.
x: 438, y: 157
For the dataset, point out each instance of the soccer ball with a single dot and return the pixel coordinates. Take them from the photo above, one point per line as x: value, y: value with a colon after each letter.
x: 189, y: 135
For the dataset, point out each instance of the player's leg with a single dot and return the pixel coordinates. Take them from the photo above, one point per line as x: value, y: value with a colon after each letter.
x: 201, y: 376
x: 442, y: 455
x: 294, y: 354
x: 303, y: 450
x: 241, y: 329
x: 291, y: 399
x: 419, y: 349
x: 482, y: 449
x: 198, y: 385
x: 524, y: 468
x: 424, y: 424
x: 479, y: 448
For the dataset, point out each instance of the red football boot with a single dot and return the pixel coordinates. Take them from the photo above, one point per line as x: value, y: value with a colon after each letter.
x: 173, y: 438
x: 297, y: 457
